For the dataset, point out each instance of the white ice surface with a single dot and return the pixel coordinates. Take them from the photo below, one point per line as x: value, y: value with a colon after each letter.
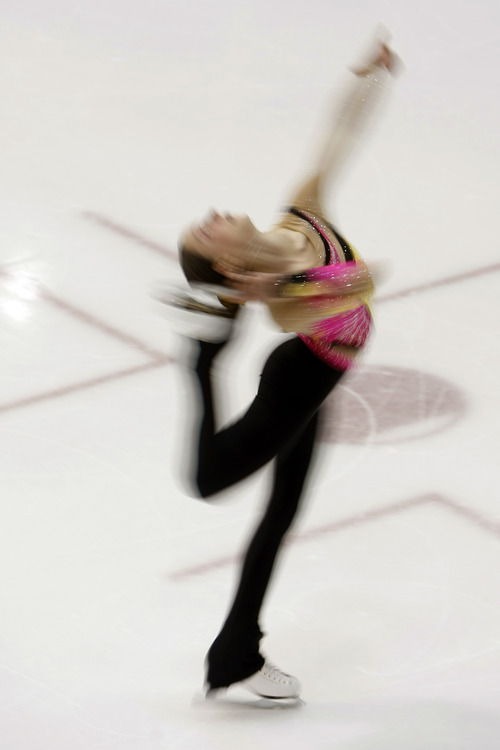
x: 120, y: 123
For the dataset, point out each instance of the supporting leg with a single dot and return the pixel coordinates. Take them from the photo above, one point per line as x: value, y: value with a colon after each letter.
x: 235, y: 654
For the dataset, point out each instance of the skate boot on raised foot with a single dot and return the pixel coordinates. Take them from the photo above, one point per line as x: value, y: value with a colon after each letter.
x: 269, y: 682
x: 197, y: 312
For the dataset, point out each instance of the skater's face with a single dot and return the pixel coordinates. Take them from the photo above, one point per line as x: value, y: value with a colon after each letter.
x: 221, y: 236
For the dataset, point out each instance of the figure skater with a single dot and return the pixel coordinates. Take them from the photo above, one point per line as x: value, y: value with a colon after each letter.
x: 316, y: 286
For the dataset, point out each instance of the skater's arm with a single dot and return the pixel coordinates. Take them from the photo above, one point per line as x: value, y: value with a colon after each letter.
x: 338, y: 280
x: 297, y: 302
x: 351, y: 117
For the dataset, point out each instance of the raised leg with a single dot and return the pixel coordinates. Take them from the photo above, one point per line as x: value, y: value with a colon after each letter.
x: 293, y: 385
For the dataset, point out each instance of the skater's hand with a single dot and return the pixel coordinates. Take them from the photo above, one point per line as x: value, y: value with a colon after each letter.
x: 250, y: 285
x: 381, y: 57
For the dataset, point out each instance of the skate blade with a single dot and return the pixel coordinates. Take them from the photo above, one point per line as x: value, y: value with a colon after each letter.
x: 239, y: 697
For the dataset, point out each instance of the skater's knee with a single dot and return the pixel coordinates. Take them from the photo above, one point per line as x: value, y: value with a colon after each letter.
x: 210, y: 477
x: 204, y: 486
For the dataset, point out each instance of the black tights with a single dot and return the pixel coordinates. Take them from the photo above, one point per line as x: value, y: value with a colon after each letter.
x: 281, y: 423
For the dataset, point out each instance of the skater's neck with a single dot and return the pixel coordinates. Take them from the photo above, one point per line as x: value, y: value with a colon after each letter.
x: 279, y: 250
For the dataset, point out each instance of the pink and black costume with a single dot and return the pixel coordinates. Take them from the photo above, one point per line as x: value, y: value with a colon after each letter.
x: 337, y: 338
x: 280, y: 424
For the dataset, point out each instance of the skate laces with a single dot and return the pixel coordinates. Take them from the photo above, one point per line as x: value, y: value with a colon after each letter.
x: 274, y: 673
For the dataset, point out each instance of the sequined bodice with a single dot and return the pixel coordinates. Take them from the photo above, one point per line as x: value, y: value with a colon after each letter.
x: 336, y: 339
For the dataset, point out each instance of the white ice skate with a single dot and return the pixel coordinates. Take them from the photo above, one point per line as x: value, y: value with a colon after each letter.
x: 197, y: 312
x: 269, y: 682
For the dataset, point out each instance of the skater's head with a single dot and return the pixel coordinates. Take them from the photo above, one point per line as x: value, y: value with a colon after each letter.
x: 198, y: 269
x: 220, y: 237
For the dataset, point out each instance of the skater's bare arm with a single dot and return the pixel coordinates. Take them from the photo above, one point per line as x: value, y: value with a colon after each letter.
x: 298, y: 301
x: 350, y: 118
